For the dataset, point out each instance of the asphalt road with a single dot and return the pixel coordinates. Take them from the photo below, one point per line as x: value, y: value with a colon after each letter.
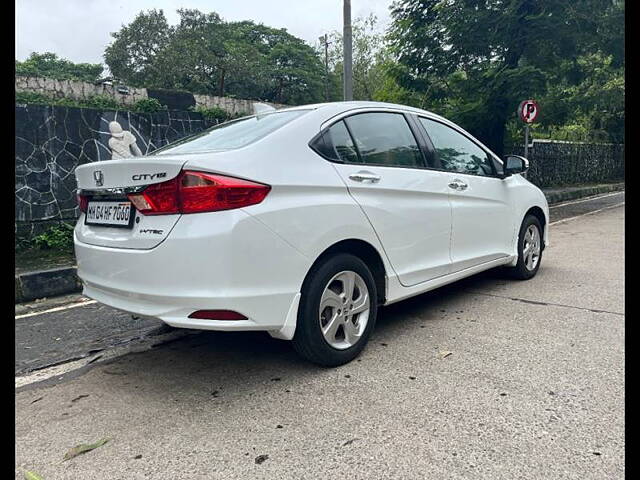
x: 485, y: 378
x: 72, y: 333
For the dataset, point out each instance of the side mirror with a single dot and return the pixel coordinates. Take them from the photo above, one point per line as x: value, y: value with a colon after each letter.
x: 514, y: 164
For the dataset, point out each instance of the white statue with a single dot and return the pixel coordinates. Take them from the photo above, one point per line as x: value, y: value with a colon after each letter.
x: 122, y: 142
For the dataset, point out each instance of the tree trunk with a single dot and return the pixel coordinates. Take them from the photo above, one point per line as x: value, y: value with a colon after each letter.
x: 221, y: 83
x: 497, y: 122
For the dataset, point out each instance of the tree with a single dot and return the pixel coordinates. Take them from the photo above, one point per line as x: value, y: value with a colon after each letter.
x: 205, y: 54
x: 476, y: 59
x: 293, y: 68
x: 370, y: 55
x: 50, y: 65
x: 133, y: 55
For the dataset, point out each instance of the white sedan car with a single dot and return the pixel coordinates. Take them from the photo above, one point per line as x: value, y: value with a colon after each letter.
x: 302, y: 222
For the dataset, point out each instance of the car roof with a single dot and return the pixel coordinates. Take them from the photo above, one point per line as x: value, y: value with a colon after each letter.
x: 335, y: 108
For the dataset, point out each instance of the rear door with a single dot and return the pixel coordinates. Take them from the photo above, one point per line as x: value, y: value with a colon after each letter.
x: 482, y: 222
x: 377, y: 154
x: 105, y: 184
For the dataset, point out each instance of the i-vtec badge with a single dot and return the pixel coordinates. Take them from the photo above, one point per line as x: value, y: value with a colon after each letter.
x: 148, y: 176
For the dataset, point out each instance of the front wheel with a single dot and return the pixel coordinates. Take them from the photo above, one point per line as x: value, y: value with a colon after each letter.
x: 337, y: 311
x: 529, y: 249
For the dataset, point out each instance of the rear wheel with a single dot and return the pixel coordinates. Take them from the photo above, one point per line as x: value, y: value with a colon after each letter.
x: 337, y: 312
x: 529, y: 249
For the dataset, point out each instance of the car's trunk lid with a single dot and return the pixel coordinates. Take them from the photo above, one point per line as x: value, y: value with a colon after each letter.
x: 111, y: 181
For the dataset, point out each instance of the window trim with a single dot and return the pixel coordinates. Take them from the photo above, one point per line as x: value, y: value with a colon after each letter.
x: 343, y: 118
x: 429, y: 155
x: 490, y: 155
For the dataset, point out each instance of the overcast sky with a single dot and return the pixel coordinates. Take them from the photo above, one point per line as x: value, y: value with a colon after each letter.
x: 79, y: 29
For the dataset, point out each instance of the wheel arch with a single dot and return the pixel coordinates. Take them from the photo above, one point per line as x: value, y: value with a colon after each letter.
x: 539, y: 214
x: 365, y: 252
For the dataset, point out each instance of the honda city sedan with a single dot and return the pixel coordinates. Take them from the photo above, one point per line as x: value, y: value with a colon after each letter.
x: 302, y: 222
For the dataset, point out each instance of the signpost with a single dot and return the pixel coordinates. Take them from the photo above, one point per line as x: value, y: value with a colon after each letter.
x: 528, y: 112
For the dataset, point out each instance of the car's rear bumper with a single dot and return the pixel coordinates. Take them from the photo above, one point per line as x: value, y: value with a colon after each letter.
x: 212, y: 261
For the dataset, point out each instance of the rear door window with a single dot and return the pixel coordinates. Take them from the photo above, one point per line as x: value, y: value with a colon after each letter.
x: 336, y: 144
x: 385, y: 139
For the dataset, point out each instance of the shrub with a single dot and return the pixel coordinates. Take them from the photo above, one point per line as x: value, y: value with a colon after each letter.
x: 101, y: 102
x: 214, y: 114
x: 33, y: 98
x: 56, y: 237
x: 148, y: 105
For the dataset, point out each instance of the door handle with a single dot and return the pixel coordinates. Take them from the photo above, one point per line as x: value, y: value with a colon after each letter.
x: 458, y: 185
x: 365, y: 177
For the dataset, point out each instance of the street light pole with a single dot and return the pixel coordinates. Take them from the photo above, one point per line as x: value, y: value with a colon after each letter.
x: 347, y: 61
x: 325, y: 41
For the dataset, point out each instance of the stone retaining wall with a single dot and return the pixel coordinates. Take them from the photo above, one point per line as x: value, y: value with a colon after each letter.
x: 125, y: 95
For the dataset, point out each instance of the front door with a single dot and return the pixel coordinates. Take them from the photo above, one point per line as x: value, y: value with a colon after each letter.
x: 482, y: 222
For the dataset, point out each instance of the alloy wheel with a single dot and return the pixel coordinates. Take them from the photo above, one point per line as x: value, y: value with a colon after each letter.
x: 344, y: 310
x: 531, y: 247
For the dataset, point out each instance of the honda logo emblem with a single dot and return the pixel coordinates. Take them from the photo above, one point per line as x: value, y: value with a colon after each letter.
x: 98, y: 177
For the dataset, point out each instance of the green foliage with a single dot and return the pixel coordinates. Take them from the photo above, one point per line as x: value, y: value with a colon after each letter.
x: 132, y: 56
x: 33, y: 98
x: 56, y: 237
x: 213, y: 114
x: 100, y: 102
x: 204, y: 54
x: 148, y: 105
x: 475, y: 61
x: 50, y: 65
x: 369, y: 59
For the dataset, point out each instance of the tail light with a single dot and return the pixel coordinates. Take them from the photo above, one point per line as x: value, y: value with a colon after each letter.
x: 83, y: 201
x: 196, y: 192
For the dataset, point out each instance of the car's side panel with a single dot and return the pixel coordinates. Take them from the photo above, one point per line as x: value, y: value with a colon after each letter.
x: 483, y: 221
x: 524, y: 196
x: 411, y: 214
x: 397, y: 292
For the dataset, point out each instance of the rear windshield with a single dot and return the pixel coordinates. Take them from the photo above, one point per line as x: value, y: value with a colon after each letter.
x: 233, y: 134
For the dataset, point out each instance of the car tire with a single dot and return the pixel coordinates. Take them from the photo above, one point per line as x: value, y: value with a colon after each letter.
x: 530, y: 243
x: 334, y: 325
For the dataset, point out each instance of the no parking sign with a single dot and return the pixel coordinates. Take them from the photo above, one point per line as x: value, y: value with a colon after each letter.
x: 528, y: 111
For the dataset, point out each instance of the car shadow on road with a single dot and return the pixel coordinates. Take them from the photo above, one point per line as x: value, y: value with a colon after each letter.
x: 243, y: 364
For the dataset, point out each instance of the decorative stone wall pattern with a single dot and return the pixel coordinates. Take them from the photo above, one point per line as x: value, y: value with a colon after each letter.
x: 52, y: 141
x: 84, y: 90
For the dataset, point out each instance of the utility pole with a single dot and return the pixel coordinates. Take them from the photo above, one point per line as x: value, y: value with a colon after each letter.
x: 347, y: 61
x: 324, y: 40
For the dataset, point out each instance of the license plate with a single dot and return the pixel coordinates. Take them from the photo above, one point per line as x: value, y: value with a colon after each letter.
x: 110, y: 214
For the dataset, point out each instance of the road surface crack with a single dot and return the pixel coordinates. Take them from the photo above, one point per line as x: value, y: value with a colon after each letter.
x: 546, y: 304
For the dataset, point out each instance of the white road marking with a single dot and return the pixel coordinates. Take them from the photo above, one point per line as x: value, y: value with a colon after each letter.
x: 57, y: 309
x: 140, y: 345
x: 588, y: 199
x: 585, y: 214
